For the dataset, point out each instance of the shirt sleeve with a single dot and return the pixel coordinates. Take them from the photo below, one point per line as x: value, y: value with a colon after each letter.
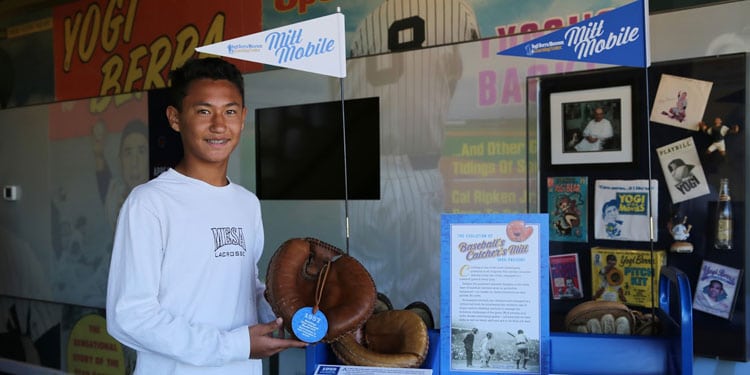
x: 264, y: 310
x: 134, y: 314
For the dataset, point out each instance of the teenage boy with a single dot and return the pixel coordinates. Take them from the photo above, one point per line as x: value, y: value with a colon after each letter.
x: 183, y: 286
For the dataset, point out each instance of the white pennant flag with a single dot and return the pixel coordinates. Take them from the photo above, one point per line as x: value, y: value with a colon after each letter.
x: 317, y: 45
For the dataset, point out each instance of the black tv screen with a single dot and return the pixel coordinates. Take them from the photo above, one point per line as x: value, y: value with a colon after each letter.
x: 299, y: 150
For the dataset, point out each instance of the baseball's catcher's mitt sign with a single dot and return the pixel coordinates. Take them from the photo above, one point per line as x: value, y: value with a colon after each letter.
x: 493, y: 281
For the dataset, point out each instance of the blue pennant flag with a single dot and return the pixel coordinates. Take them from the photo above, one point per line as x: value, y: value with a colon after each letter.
x: 617, y: 37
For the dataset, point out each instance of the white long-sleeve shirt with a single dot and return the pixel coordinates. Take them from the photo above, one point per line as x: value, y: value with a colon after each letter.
x: 183, y: 285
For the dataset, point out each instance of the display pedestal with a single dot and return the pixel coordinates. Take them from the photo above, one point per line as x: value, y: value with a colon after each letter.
x: 669, y: 353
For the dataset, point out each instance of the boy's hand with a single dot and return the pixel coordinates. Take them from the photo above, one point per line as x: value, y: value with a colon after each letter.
x: 263, y: 344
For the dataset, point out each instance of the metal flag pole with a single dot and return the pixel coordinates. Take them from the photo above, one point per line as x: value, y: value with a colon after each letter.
x: 346, y: 169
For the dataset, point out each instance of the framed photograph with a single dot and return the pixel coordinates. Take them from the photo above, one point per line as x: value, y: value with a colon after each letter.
x: 591, y: 126
x: 591, y: 119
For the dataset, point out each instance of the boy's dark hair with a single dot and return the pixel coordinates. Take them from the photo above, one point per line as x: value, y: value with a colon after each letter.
x: 194, y: 69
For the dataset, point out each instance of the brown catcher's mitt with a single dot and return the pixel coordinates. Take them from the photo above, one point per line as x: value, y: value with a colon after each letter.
x: 347, y: 297
x: 393, y: 338
x: 609, y: 318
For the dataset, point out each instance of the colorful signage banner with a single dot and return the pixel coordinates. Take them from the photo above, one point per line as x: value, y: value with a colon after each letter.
x: 111, y: 47
x: 618, y: 37
x: 317, y: 45
x: 105, y: 48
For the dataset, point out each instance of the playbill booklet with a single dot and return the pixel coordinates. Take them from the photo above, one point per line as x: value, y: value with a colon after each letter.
x: 565, y: 276
x: 716, y: 289
x: 621, y: 209
x: 682, y: 169
x: 567, y: 202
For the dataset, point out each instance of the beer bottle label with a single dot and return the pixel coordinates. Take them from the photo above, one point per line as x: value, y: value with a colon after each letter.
x: 724, y: 230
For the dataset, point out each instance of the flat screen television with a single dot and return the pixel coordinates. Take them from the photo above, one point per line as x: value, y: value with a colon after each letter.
x: 299, y: 150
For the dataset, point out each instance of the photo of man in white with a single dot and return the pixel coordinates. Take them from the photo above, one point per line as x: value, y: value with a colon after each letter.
x: 596, y: 132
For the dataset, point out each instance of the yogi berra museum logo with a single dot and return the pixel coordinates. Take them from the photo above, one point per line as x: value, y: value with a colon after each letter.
x: 588, y: 40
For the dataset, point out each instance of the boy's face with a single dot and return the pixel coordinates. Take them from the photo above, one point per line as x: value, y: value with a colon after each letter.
x: 211, y: 121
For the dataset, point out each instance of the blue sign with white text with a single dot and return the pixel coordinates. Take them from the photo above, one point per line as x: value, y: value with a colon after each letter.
x: 617, y: 37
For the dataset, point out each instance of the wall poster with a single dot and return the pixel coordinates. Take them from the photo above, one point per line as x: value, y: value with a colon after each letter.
x: 494, y: 293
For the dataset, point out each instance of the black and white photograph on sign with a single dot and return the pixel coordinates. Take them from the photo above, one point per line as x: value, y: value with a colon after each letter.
x: 680, y: 101
x: 682, y: 169
x: 591, y: 126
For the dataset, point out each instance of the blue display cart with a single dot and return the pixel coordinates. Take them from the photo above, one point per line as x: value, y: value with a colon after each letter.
x: 669, y: 353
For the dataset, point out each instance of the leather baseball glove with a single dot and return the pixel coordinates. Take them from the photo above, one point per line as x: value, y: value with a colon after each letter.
x: 393, y: 338
x: 609, y: 318
x: 297, y: 275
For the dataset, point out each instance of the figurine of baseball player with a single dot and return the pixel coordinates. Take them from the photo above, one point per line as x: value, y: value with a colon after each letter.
x: 718, y: 132
x: 680, y: 232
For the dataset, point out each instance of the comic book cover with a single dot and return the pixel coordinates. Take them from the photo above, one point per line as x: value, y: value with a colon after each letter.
x: 622, y: 209
x: 682, y: 169
x: 717, y: 288
x: 626, y: 275
x: 567, y: 201
x: 565, y: 276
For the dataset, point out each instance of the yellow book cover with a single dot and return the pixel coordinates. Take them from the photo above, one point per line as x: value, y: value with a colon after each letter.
x: 626, y: 275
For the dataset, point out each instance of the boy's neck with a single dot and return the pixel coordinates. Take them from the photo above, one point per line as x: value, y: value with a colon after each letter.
x: 216, y: 176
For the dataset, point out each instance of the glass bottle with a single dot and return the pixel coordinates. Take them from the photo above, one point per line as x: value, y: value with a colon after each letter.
x: 724, y: 217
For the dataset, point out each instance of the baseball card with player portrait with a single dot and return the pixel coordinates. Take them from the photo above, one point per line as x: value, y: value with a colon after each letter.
x: 682, y: 169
